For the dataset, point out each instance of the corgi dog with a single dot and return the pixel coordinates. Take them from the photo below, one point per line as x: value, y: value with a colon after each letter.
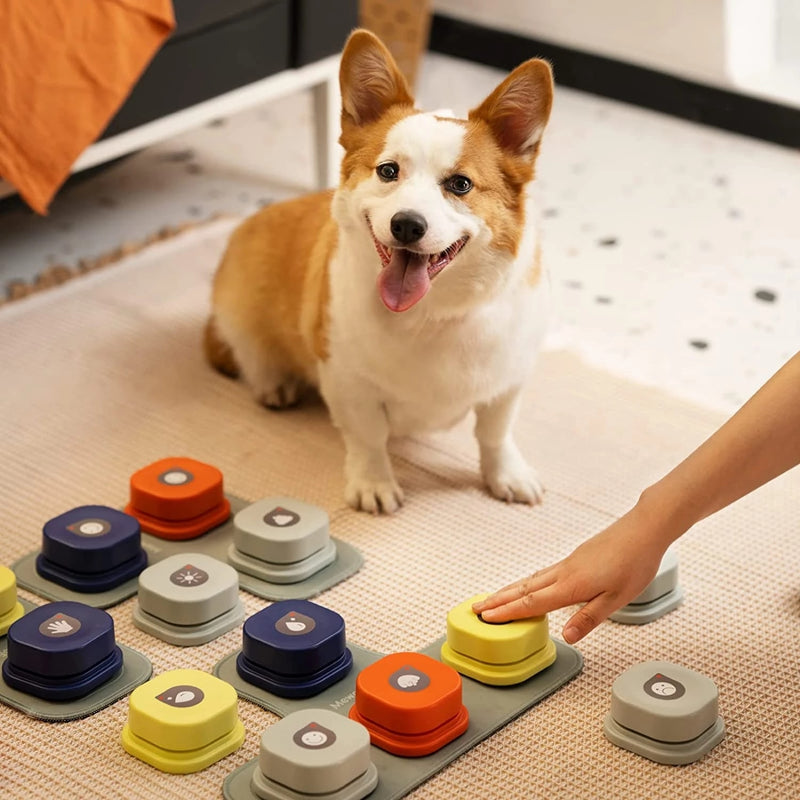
x: 411, y: 295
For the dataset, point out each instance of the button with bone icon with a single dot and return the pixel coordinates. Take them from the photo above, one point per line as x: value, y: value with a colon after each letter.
x: 281, y: 540
x: 183, y: 721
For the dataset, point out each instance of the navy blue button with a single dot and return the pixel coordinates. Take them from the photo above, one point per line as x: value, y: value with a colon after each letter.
x: 91, y: 539
x: 91, y: 549
x: 61, y: 651
x: 294, y: 648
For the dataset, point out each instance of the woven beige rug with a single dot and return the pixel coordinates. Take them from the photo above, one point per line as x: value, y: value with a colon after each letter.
x: 104, y: 375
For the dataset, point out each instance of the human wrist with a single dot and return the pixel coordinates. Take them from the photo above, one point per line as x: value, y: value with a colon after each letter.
x: 663, y: 515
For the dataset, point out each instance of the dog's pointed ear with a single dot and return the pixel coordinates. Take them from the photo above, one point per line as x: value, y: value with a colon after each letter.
x: 518, y: 109
x: 369, y: 79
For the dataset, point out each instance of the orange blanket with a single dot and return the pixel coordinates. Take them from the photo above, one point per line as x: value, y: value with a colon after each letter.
x: 65, y: 68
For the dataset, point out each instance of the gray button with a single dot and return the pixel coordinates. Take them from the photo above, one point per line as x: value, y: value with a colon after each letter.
x: 665, y: 702
x: 188, y: 589
x: 280, y: 530
x: 316, y: 751
x: 665, y: 581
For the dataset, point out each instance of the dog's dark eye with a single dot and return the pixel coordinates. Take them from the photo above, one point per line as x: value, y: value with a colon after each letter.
x: 458, y: 184
x: 388, y: 171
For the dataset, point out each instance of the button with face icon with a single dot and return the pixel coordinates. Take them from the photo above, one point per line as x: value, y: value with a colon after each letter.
x: 294, y: 648
x: 182, y: 721
x: 315, y: 752
x: 62, y: 651
x: 665, y: 712
x: 178, y: 498
x: 91, y: 549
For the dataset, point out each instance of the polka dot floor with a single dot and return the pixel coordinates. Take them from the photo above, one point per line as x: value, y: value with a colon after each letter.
x: 672, y: 247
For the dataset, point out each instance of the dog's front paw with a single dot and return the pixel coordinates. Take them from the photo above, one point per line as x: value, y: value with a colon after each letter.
x: 509, y: 477
x: 377, y: 497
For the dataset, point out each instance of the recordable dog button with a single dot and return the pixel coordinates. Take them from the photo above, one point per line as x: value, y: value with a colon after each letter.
x: 659, y: 597
x: 410, y: 703
x: 61, y: 651
x: 183, y: 721
x: 178, y: 498
x: 10, y: 608
x: 91, y: 549
x: 188, y: 599
x: 315, y: 753
x: 294, y: 648
x: 496, y: 654
x: 665, y: 712
x: 281, y: 540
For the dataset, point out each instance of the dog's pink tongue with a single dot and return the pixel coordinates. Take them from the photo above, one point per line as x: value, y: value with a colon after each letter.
x: 404, y: 280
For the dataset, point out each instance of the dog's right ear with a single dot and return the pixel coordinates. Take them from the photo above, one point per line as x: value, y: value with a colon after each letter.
x: 369, y: 79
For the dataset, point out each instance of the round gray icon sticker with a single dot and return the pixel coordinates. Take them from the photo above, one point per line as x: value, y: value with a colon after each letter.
x: 295, y: 624
x: 314, y: 737
x: 90, y: 527
x: 176, y: 477
x: 182, y: 696
x: 59, y: 625
x: 281, y: 517
x: 189, y: 576
x: 408, y: 679
x: 664, y: 688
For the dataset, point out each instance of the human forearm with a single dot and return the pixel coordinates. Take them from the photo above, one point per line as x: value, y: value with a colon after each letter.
x: 758, y: 443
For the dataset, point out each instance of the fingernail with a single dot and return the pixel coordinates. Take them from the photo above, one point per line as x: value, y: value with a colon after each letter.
x: 571, y: 635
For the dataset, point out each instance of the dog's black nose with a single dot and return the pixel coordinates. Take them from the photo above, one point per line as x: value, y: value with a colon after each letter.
x: 408, y: 227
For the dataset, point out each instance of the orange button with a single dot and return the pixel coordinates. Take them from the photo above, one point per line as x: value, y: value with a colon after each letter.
x: 176, y: 489
x: 408, y: 693
x: 410, y: 703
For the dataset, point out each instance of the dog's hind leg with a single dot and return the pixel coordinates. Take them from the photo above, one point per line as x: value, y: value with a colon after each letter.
x: 273, y: 381
x: 218, y: 352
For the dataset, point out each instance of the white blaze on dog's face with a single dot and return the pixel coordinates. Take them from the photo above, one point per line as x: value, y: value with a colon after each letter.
x: 441, y: 200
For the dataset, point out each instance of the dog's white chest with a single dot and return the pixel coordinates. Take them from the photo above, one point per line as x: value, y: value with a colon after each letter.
x: 429, y: 377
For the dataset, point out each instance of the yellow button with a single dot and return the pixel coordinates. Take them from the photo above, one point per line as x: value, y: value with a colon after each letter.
x: 10, y: 608
x: 182, y: 721
x: 506, y: 643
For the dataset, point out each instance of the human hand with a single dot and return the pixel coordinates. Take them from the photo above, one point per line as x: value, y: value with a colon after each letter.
x: 606, y: 572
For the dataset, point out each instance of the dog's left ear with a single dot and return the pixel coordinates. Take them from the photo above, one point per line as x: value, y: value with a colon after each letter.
x: 518, y: 109
x: 370, y: 79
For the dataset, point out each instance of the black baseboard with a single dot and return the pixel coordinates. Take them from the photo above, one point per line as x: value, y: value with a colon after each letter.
x: 619, y: 80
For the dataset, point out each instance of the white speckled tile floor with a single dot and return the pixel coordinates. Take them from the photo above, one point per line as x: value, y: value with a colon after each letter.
x: 673, y: 249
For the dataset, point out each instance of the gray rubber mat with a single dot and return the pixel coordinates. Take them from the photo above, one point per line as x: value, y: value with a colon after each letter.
x: 490, y: 708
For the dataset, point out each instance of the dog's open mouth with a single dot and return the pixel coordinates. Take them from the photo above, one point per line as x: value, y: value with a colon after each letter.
x: 406, y: 275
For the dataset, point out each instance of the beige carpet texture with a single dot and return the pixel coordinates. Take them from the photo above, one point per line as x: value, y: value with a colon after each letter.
x: 105, y: 375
